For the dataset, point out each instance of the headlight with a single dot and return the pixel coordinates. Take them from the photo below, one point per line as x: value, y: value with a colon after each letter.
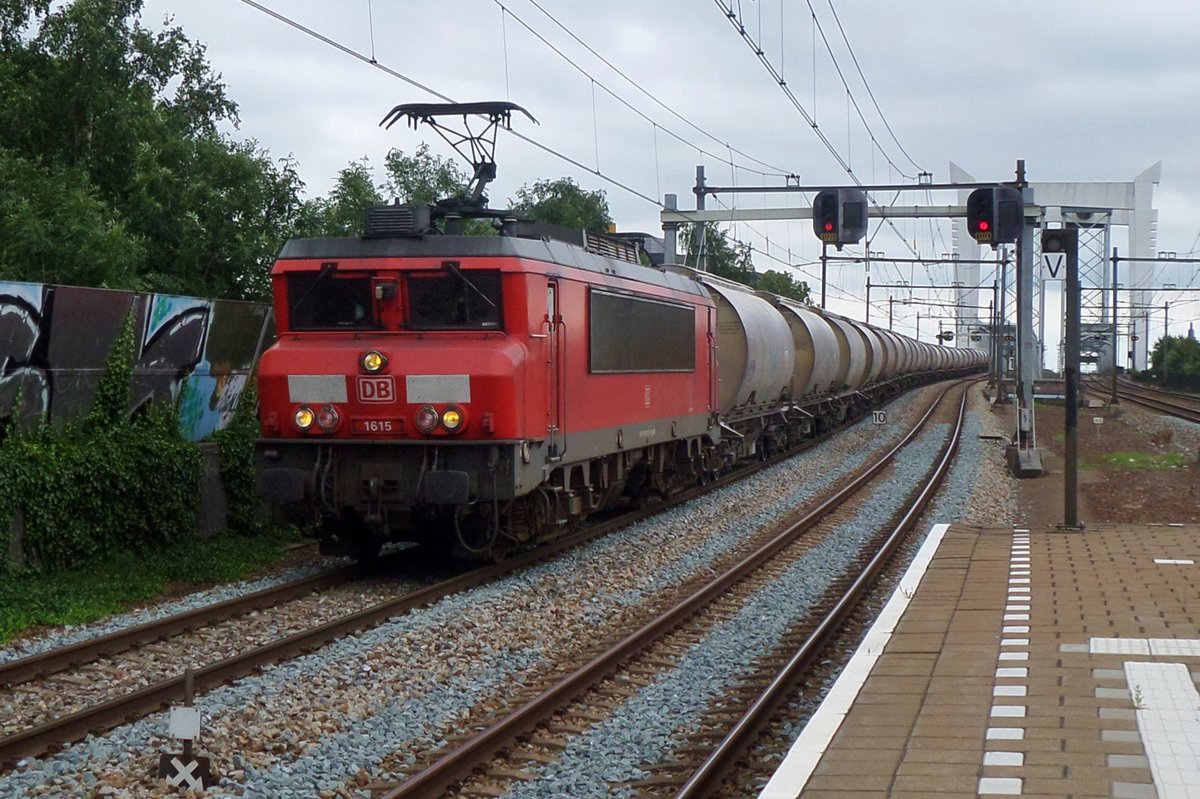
x: 452, y: 419
x: 427, y: 419
x: 305, y: 417
x: 327, y: 418
x: 373, y: 361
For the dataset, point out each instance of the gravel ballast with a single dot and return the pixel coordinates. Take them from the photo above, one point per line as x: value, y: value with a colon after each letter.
x: 310, y: 725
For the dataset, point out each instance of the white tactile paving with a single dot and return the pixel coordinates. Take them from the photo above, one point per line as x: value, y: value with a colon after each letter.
x: 1005, y: 734
x: 1168, y: 717
x: 1003, y: 759
x: 1016, y: 609
x: 1009, y: 690
x: 1162, y: 647
x: 999, y: 786
x: 1175, y: 647
x: 806, y: 752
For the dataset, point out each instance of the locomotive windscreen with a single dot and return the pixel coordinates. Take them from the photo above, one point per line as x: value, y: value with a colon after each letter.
x: 631, y: 334
x: 453, y: 299
x: 325, y: 301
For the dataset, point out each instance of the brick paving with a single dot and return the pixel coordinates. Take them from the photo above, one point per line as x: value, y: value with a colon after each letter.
x: 999, y: 678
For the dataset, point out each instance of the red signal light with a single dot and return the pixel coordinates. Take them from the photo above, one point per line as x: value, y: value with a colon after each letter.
x: 828, y: 227
x: 983, y: 224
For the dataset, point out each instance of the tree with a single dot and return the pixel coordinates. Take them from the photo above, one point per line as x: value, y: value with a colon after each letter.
x: 124, y: 120
x: 344, y: 211
x: 53, y: 227
x: 563, y: 202
x: 723, y: 257
x: 784, y: 285
x: 423, y: 177
x: 1175, y: 362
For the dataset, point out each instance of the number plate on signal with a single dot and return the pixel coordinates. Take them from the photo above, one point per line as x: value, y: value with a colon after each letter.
x: 373, y: 427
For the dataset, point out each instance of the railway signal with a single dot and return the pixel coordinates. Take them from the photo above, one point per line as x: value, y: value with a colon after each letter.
x: 994, y: 215
x: 840, y: 216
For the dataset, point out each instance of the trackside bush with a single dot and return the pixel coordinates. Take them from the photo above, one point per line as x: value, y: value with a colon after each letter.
x: 102, y: 483
x: 236, y: 442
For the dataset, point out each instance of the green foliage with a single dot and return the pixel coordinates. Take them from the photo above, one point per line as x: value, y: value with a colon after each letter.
x: 723, y: 257
x: 103, y: 483
x: 110, y: 131
x: 343, y: 212
x: 236, y: 442
x: 54, y: 227
x: 112, y: 583
x: 1175, y: 362
x: 783, y: 284
x: 110, y: 407
x: 422, y: 177
x: 1144, y: 461
x: 563, y: 202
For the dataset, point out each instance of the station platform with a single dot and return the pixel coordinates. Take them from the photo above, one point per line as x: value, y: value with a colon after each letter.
x: 1015, y: 663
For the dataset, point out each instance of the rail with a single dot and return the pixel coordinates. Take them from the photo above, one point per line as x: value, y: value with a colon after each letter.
x: 459, y: 763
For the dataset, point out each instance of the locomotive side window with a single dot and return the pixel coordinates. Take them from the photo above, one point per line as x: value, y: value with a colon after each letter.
x: 323, y: 301
x: 632, y: 334
x: 454, y: 299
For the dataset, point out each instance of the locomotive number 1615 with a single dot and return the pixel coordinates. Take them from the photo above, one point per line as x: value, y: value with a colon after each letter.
x: 376, y: 426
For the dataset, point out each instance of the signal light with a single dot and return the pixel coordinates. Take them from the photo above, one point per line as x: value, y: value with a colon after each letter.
x: 995, y: 214
x: 1065, y: 241
x: 840, y: 216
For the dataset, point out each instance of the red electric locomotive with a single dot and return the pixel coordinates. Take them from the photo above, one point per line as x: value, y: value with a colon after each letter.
x: 481, y: 391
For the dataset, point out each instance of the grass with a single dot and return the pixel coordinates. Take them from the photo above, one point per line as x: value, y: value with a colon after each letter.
x: 1144, y: 461
x: 31, y: 600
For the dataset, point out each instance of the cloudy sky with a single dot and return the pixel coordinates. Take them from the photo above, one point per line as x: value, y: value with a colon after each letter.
x: 1083, y: 91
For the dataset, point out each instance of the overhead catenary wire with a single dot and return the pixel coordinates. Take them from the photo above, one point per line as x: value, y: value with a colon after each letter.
x: 371, y: 61
x: 604, y: 87
x: 867, y: 86
x: 735, y: 21
x: 779, y: 171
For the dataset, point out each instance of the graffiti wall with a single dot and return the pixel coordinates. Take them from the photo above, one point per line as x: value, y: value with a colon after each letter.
x: 55, y: 340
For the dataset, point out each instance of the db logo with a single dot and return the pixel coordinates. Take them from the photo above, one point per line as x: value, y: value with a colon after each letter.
x: 376, y: 389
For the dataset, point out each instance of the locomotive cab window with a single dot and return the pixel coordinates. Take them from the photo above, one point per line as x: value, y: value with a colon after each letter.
x: 454, y: 299
x: 325, y: 301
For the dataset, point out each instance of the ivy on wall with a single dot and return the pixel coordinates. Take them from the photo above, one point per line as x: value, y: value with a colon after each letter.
x: 105, y: 482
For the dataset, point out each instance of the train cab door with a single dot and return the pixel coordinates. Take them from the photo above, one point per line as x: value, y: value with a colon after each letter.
x: 714, y: 376
x: 555, y: 334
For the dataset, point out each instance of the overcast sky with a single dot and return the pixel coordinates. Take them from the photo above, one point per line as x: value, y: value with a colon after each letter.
x: 1083, y: 91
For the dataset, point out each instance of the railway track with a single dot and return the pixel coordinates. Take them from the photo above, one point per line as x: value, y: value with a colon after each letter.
x: 21, y: 670
x: 1171, y: 403
x: 45, y: 736
x: 513, y: 746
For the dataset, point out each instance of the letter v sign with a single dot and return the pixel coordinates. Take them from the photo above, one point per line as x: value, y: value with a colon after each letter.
x: 1052, y: 265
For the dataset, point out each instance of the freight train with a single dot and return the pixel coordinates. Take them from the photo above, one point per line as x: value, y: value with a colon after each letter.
x: 488, y: 392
